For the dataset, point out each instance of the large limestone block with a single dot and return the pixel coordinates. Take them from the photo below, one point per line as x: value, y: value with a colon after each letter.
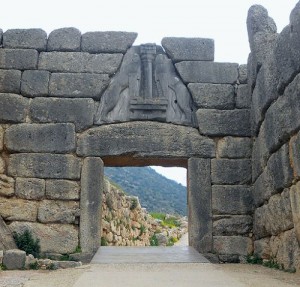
x: 232, y: 225
x: 62, y: 189
x: 25, y: 39
x: 262, y: 248
x: 14, y: 259
x: 233, y: 245
x: 189, y: 49
x: 35, y: 83
x: 55, y: 110
x: 243, y: 74
x: 295, y: 154
x: 44, y: 166
x: 54, y: 238
x: 30, y: 188
x: 208, y: 72
x: 18, y: 209
x: 2, y: 165
x: 10, y: 81
x: 145, y: 139
x: 243, y: 97
x: 107, y: 42
x: 295, y: 205
x: 1, y: 138
x: 19, y: 59
x: 213, y: 96
x: 262, y: 189
x: 77, y: 85
x: 232, y: 199
x: 64, y: 39
x: 234, y: 147
x: 231, y: 171
x: 13, y: 108
x: 75, y: 62
x: 6, y: 238
x: 7, y: 186
x: 52, y: 138
x: 224, y: 123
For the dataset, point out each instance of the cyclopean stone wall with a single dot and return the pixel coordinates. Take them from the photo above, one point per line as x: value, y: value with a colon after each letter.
x: 274, y: 82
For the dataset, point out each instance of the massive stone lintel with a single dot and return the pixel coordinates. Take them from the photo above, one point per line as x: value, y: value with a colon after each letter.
x: 146, y: 88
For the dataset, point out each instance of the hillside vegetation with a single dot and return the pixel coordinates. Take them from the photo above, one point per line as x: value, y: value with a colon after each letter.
x: 155, y: 192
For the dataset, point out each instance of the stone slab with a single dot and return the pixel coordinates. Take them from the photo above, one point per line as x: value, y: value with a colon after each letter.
x: 243, y: 75
x: 6, y: 238
x: 107, y: 42
x: 232, y: 225
x: 10, y: 81
x: 233, y: 245
x: 35, y: 83
x: 77, y: 85
x: 234, y: 147
x: 56, y: 110
x: 243, y: 97
x: 13, y: 108
x: 145, y: 139
x: 30, y: 188
x: 64, y: 39
x: 79, y: 62
x: 25, y: 39
x: 207, y: 72
x: 224, y: 123
x: 44, y: 166
x: 52, y: 138
x: 213, y: 96
x: 189, y: 49
x: 62, y: 189
x: 18, y: 59
x: 14, y: 259
x: 7, y: 186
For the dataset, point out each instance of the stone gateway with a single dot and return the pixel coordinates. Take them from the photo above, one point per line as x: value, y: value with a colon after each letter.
x: 71, y: 104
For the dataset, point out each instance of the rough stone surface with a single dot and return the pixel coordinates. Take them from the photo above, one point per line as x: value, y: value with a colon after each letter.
x: 7, y: 185
x: 13, y: 108
x: 232, y: 225
x: 294, y: 156
x: 224, y: 123
x: 1, y: 138
x: 189, y: 49
x: 75, y: 62
x: 44, y: 166
x: 232, y: 147
x: 2, y: 165
x: 200, y: 217
x: 231, y: 171
x: 51, y: 211
x: 207, y: 72
x: 107, y: 42
x: 223, y: 198
x: 35, y: 83
x: 30, y: 188
x: 213, y: 96
x: 18, y: 209
x: 58, y: 238
x: 243, y: 75
x: 77, y: 111
x: 62, y: 189
x: 295, y: 199
x: 52, y: 138
x: 64, y: 39
x: 262, y: 189
x: 18, y: 59
x: 80, y: 85
x: 6, y: 238
x: 25, y: 39
x: 10, y: 81
x: 14, y: 259
x: 150, y: 139
x: 243, y: 97
x: 262, y: 248
x: 233, y: 245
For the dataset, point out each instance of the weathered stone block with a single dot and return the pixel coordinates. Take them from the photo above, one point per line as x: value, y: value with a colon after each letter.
x: 18, y: 59
x: 35, y: 83
x: 77, y: 111
x: 51, y: 211
x: 52, y: 138
x: 232, y: 225
x: 208, y: 72
x: 64, y: 39
x: 243, y: 97
x: 62, y: 189
x: 189, y: 49
x: 6, y: 238
x: 150, y: 138
x: 25, y: 39
x: 30, y: 188
x: 1, y: 138
x: 13, y: 108
x: 7, y: 185
x: 213, y: 96
x: 1, y: 36
x: 262, y: 188
x: 295, y: 205
x: 243, y: 75
x: 2, y: 165
x: 231, y: 171
x: 44, y: 166
x: 58, y: 238
x: 294, y: 156
x: 233, y: 245
x: 223, y: 198
x: 10, y: 81
x: 224, y: 123
x: 74, y: 62
x: 14, y: 259
x: 262, y: 248
x: 231, y: 147
x: 200, y: 217
x: 107, y: 42
x: 80, y: 85
x: 18, y: 209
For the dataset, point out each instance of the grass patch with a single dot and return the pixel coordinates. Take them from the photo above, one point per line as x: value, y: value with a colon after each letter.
x: 171, y: 221
x: 27, y: 243
x: 153, y: 240
x: 103, y: 241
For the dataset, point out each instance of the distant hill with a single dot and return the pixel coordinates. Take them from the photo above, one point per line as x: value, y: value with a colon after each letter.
x: 155, y: 192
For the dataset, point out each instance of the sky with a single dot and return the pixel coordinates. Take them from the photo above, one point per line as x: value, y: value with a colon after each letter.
x: 223, y: 21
